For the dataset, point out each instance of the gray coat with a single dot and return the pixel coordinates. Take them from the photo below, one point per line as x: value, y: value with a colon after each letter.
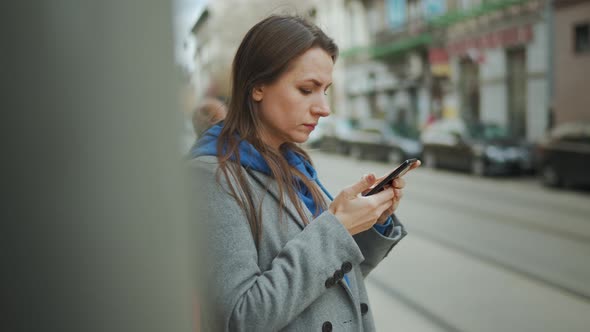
x: 294, y: 281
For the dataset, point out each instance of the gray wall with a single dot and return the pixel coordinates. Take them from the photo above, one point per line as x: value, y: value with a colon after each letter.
x: 98, y: 235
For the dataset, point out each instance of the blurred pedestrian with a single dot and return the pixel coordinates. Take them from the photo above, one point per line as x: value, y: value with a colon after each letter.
x: 430, y: 120
x: 281, y: 253
x: 208, y: 113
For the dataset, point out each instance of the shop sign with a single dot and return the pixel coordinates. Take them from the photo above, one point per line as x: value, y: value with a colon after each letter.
x: 498, y: 39
x: 439, y: 62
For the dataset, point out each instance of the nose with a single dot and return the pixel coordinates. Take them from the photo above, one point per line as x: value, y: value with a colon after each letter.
x: 321, y: 109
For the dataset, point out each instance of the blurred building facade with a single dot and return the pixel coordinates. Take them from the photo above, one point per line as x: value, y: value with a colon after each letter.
x: 201, y: 76
x: 218, y: 32
x: 409, y: 61
x: 572, y: 61
x: 473, y: 59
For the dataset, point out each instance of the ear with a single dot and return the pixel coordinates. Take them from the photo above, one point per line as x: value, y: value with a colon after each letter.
x: 258, y: 93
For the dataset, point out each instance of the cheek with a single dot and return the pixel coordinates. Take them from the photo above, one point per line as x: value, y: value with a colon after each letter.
x: 287, y: 105
x: 285, y: 98
x: 296, y: 103
x: 274, y: 112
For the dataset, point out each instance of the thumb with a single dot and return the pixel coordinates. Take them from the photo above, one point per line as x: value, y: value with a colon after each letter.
x: 363, y: 184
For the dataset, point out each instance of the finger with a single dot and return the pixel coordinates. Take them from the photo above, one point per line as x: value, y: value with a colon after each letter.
x: 363, y: 184
x: 370, y: 187
x: 390, y: 210
x: 383, y: 197
x: 416, y: 164
x: 398, y: 193
x: 383, y: 178
x: 377, y: 180
x: 386, y: 214
x: 399, y: 183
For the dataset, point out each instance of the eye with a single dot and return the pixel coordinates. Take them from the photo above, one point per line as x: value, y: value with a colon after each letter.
x: 305, y: 91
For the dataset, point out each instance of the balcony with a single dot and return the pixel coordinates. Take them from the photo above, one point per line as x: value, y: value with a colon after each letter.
x: 423, y: 29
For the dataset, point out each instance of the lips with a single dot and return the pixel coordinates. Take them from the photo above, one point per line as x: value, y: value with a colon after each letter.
x: 310, y: 125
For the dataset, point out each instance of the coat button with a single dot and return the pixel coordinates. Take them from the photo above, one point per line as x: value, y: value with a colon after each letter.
x: 338, y: 275
x: 364, y: 308
x: 346, y: 267
x: 327, y: 327
x: 329, y: 282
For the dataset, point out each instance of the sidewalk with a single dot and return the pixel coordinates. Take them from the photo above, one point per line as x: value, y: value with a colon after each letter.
x: 391, y: 315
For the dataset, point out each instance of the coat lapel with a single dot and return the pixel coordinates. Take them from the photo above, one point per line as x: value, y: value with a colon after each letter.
x: 351, y: 277
x: 272, y: 187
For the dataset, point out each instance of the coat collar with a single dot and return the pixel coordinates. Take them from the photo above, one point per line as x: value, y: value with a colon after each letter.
x: 272, y: 188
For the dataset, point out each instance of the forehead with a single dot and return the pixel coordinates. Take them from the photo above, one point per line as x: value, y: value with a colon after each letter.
x: 315, y: 64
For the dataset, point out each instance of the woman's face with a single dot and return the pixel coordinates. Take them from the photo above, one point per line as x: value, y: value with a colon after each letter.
x: 289, y: 108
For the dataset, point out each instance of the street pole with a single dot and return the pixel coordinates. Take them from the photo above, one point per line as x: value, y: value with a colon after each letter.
x: 549, y: 17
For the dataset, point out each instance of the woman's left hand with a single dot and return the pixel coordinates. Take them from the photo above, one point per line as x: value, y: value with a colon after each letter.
x: 398, y: 184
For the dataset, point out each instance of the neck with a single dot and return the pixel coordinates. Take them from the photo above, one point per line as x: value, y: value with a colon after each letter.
x: 271, y: 141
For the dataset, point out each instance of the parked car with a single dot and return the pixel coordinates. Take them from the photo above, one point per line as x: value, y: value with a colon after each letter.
x: 316, y: 137
x: 335, y: 134
x: 481, y: 148
x: 377, y: 139
x: 564, y: 155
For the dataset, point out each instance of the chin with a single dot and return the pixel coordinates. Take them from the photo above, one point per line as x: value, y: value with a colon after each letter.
x: 297, y: 138
x: 300, y: 140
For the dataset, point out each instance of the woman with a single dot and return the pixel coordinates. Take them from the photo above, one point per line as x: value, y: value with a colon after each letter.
x: 208, y: 113
x: 281, y: 253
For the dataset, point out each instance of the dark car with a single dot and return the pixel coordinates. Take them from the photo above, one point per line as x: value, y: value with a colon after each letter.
x: 316, y: 137
x: 564, y: 156
x: 377, y: 139
x: 481, y: 148
x: 335, y: 134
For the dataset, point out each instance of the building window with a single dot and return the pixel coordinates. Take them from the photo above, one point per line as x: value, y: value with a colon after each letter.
x: 582, y: 38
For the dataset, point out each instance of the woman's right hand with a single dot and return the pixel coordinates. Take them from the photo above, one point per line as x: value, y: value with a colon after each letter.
x: 358, y: 213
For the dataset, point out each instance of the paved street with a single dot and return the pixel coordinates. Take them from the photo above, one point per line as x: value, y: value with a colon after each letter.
x: 482, y: 254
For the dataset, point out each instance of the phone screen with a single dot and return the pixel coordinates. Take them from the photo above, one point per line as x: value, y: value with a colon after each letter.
x: 399, y: 171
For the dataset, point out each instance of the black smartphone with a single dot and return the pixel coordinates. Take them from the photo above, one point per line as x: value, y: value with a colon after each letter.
x: 399, y: 171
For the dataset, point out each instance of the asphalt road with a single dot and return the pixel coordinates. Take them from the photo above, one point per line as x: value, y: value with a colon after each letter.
x: 482, y: 254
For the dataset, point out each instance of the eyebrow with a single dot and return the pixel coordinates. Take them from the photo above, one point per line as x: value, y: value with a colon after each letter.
x: 316, y: 82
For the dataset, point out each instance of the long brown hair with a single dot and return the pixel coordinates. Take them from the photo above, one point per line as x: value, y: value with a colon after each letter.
x: 263, y: 56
